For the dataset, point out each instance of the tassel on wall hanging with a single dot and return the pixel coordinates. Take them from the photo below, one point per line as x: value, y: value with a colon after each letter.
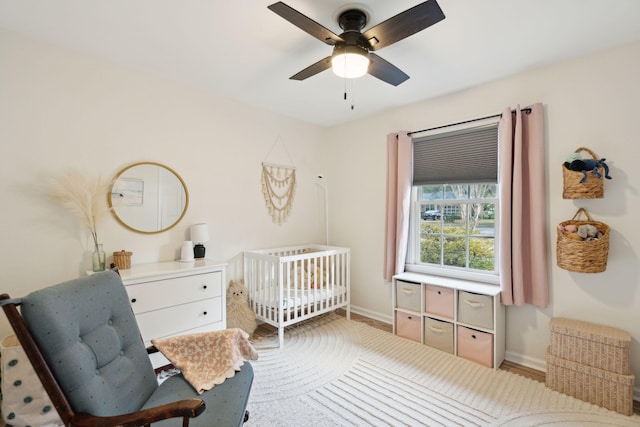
x: 278, y: 187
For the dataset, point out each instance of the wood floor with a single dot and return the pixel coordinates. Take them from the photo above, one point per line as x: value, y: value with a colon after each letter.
x: 534, y: 374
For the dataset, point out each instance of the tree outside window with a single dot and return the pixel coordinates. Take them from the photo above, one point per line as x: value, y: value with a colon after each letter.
x: 457, y: 226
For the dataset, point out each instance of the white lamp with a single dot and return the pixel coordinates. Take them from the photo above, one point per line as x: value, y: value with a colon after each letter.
x: 199, y: 235
x: 349, y: 61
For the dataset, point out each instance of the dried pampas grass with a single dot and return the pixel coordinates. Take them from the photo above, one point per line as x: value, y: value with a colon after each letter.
x: 84, y: 196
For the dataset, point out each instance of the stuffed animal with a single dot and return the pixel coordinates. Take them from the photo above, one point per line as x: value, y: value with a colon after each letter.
x: 239, y: 313
x: 584, y: 232
x: 569, y: 228
x: 575, y: 163
x: 306, y: 274
x: 571, y: 231
x: 589, y: 232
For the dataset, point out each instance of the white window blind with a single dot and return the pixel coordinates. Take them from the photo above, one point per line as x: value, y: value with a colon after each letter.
x: 462, y: 156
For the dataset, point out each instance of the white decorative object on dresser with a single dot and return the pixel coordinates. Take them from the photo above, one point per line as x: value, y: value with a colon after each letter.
x: 175, y: 298
x: 453, y: 315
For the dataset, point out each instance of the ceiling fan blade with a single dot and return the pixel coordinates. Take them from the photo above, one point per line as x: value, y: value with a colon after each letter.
x: 313, y: 69
x: 305, y: 24
x: 404, y: 24
x: 386, y: 71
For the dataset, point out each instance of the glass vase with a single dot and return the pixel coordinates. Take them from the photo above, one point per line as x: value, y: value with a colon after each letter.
x: 99, y: 258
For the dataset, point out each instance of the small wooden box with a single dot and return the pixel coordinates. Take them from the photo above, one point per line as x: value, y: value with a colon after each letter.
x: 602, y: 347
x: 598, y: 386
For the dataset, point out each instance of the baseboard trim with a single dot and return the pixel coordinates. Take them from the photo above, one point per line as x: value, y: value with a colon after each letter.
x: 371, y: 314
x: 529, y: 362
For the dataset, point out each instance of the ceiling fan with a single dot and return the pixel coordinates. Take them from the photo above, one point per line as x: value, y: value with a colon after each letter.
x: 353, y: 50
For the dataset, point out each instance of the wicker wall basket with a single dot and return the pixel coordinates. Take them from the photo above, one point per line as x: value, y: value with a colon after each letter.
x: 583, y: 256
x: 591, y: 188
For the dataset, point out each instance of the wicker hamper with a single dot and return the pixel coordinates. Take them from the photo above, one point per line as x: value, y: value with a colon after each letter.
x: 603, y: 347
x: 584, y: 256
x: 598, y: 386
x: 591, y: 188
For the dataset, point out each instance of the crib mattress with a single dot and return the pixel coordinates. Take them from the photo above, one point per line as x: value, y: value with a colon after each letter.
x: 293, y: 298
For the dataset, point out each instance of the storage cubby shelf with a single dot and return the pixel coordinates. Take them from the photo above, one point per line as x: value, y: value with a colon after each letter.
x: 461, y: 317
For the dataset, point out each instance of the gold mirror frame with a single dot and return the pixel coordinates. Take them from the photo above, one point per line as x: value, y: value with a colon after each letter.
x: 131, y: 192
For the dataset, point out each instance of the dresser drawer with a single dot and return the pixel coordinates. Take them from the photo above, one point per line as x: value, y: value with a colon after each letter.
x: 179, y: 318
x: 476, y: 346
x: 438, y: 334
x: 408, y: 326
x: 439, y: 300
x: 408, y: 295
x: 169, y: 292
x: 475, y: 309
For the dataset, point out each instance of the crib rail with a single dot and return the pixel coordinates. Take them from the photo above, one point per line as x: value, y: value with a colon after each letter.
x: 292, y: 284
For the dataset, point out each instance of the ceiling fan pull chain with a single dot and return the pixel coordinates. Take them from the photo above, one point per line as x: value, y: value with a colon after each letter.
x: 345, y: 88
x: 353, y: 96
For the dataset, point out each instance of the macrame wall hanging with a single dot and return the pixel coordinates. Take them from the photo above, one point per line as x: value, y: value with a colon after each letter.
x: 278, y: 188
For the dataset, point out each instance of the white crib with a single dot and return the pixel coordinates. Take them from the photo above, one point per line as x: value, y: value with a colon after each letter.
x: 292, y: 284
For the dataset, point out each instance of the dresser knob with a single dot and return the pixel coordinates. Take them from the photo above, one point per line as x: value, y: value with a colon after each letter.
x: 133, y: 300
x: 204, y: 286
x: 205, y: 313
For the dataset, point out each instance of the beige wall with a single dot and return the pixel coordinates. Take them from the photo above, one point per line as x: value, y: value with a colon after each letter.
x: 62, y: 110
x: 594, y: 102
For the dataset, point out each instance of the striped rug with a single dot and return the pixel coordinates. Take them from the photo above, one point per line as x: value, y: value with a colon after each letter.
x: 336, y: 372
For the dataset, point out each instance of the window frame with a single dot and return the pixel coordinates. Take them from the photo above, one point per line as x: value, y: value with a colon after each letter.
x: 413, y: 264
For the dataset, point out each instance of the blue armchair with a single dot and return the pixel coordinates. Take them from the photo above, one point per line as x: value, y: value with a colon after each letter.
x: 83, y: 340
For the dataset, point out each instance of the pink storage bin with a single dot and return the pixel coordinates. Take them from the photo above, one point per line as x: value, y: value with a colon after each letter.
x: 439, y: 301
x: 408, y: 326
x: 475, y: 346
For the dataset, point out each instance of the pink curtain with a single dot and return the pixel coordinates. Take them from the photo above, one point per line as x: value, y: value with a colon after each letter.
x: 399, y: 155
x: 523, y: 256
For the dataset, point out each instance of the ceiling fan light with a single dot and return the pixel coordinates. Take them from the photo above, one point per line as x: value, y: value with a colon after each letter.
x: 350, y: 63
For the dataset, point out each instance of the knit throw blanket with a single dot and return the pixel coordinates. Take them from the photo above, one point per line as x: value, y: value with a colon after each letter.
x: 207, y: 359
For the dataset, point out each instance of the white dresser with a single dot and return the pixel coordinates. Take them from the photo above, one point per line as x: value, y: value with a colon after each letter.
x: 174, y: 298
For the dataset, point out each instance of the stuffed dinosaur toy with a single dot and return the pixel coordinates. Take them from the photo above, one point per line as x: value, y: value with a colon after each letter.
x: 575, y: 163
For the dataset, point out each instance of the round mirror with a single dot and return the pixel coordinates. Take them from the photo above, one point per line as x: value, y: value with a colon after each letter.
x: 148, y: 197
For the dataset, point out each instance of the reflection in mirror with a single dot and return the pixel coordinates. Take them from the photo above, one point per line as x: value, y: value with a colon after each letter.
x: 148, y: 197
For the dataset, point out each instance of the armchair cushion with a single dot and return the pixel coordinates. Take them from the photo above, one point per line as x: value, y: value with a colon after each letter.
x: 225, y: 403
x: 89, y: 337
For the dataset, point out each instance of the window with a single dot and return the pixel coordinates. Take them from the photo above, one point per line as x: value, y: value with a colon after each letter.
x: 454, y: 206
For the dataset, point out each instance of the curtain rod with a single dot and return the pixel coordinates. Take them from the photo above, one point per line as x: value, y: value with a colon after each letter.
x: 524, y: 110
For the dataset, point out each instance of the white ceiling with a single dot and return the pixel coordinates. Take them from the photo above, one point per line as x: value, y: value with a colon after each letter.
x: 242, y: 50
